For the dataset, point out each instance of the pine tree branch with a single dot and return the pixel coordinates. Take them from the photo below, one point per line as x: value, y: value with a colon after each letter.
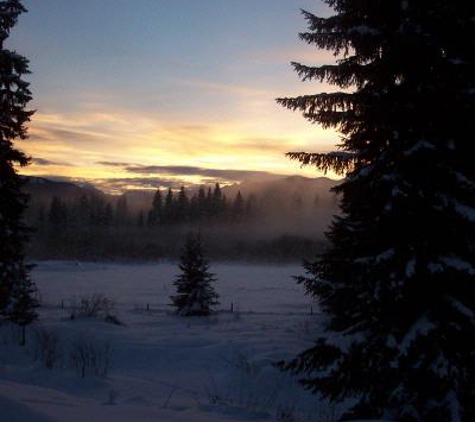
x: 347, y: 73
x: 338, y: 161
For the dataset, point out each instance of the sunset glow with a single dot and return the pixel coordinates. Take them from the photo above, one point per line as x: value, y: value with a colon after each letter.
x: 132, y: 101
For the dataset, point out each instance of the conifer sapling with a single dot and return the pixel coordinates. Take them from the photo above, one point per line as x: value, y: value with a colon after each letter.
x: 194, y: 286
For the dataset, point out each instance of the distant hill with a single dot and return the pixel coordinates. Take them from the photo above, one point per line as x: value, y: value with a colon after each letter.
x: 42, y: 190
x: 296, y: 205
x: 286, y: 187
x: 292, y: 205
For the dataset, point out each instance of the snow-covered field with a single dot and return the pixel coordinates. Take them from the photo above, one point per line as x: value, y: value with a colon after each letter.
x: 165, y: 368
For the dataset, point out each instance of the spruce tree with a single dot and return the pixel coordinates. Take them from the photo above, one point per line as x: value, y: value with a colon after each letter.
x: 202, y: 204
x: 108, y: 215
x: 15, y: 95
x: 168, y: 207
x: 217, y: 201
x: 122, y: 211
x: 397, y: 283
x: 23, y: 303
x: 155, y: 214
x: 195, y: 293
x: 238, y: 208
x: 182, y: 206
x: 58, y: 214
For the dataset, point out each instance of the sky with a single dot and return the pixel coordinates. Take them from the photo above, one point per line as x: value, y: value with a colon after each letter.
x: 147, y: 93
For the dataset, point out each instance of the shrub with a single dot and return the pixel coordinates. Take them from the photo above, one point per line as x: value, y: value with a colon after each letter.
x: 47, y: 348
x: 89, y: 356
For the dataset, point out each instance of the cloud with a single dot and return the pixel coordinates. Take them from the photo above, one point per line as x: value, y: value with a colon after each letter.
x: 43, y: 162
x: 54, y: 134
x: 227, y: 175
x: 120, y: 185
x: 124, y: 184
x: 115, y: 164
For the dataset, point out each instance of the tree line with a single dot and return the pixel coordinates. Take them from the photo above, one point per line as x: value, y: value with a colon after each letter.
x: 168, y: 208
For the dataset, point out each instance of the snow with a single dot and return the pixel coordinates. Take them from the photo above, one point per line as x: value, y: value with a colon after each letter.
x: 419, y: 146
x: 166, y: 367
x: 13, y: 411
x: 421, y: 327
x: 458, y: 264
x: 382, y: 257
x: 465, y: 211
x: 463, y: 179
x: 455, y: 408
x: 385, y: 256
x: 460, y: 307
x: 411, y: 268
x: 435, y: 268
x: 396, y: 191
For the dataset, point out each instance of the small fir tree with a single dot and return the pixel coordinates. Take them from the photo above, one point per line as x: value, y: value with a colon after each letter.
x: 23, y: 303
x: 194, y: 286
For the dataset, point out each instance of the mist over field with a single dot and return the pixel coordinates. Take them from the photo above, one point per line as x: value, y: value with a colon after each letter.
x: 279, y: 219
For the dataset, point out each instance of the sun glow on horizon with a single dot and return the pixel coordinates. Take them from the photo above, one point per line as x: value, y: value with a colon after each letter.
x: 178, y: 100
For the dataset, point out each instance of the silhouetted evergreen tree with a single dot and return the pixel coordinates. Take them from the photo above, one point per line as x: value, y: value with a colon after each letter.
x: 194, y: 209
x: 108, y: 215
x: 202, y: 204
x: 58, y: 213
x: 141, y: 219
x: 23, y: 303
x: 397, y: 285
x: 15, y: 95
x: 102, y: 219
x: 155, y: 214
x: 168, y: 211
x: 83, y: 211
x: 224, y: 209
x: 41, y: 216
x: 251, y: 207
x: 122, y: 211
x: 238, y: 208
x: 209, y: 203
x: 195, y: 293
x: 216, y: 202
x: 182, y: 206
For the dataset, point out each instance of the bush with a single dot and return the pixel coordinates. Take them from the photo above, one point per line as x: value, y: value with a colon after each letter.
x: 47, y: 348
x: 89, y: 356
x: 93, y: 306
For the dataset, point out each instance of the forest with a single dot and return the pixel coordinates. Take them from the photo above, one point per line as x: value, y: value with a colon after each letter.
x: 268, y: 225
